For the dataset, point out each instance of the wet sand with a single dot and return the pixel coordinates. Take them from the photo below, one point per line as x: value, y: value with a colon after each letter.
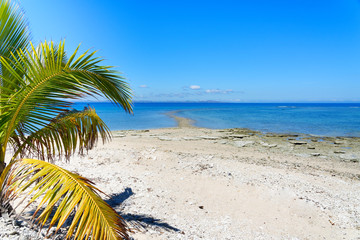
x: 181, y: 121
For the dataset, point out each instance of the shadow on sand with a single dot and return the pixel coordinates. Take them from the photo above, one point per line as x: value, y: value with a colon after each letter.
x: 140, y: 221
x: 137, y: 221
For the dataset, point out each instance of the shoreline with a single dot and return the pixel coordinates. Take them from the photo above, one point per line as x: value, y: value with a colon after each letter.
x: 346, y: 149
x: 338, y: 148
x: 183, y: 122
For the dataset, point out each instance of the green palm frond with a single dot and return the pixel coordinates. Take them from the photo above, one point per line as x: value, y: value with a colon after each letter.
x: 49, y: 81
x: 13, y: 29
x: 13, y: 33
x: 58, y: 192
x: 68, y: 132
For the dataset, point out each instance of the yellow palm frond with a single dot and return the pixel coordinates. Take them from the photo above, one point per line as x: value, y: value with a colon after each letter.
x: 58, y: 192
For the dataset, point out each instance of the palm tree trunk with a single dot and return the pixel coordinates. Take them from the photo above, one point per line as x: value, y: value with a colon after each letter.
x: 2, y: 159
x: 3, y: 209
x: 2, y: 167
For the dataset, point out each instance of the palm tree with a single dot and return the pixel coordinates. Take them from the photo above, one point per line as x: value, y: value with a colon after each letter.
x: 37, y: 85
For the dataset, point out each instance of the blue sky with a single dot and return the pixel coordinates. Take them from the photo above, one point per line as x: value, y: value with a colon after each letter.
x: 233, y: 51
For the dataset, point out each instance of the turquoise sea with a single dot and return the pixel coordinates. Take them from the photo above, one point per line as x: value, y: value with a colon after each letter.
x: 323, y: 119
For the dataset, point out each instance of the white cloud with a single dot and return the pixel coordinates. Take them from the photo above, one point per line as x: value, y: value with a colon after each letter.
x: 194, y: 87
x: 212, y: 90
x: 219, y: 91
x: 143, y: 86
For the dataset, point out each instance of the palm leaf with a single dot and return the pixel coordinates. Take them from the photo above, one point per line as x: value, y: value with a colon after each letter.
x: 4, y: 195
x: 47, y: 82
x: 13, y: 33
x: 13, y: 29
x: 13, y: 37
x: 59, y: 192
x: 68, y: 132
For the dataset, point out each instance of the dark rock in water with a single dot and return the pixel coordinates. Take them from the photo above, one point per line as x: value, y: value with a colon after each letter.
x: 288, y: 135
x: 269, y: 135
x: 338, y: 151
x: 315, y: 154
x: 238, y: 136
x: 209, y: 137
x: 349, y: 158
x: 311, y: 147
x: 298, y: 142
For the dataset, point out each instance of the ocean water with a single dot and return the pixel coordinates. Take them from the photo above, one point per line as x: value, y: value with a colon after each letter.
x: 322, y: 119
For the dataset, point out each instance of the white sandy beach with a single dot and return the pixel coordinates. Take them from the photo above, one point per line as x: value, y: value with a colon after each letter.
x: 194, y: 183
x: 197, y: 183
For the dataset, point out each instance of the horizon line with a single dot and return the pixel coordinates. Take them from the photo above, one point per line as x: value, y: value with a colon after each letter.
x: 255, y: 102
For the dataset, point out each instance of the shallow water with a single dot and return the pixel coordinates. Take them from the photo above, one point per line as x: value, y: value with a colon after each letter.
x: 319, y: 119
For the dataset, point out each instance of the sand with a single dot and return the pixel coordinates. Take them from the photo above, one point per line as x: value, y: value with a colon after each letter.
x: 195, y: 183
